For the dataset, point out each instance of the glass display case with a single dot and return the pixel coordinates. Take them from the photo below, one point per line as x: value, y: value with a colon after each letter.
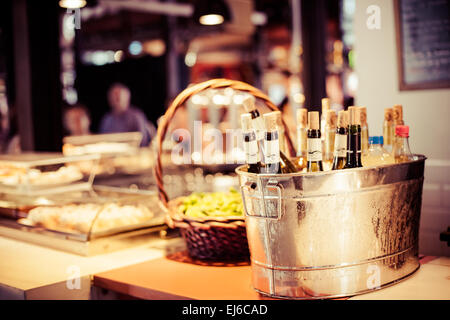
x: 86, y: 222
x: 34, y: 174
x: 119, y: 152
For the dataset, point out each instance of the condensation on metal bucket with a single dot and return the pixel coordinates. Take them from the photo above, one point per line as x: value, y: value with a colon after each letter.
x: 333, y: 234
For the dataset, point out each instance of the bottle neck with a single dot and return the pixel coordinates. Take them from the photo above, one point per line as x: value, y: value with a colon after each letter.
x: 302, y: 136
x: 271, y: 148
x: 251, y: 147
x: 314, y: 145
x: 340, y: 143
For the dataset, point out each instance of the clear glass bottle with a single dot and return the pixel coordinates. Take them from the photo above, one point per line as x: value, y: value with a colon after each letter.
x: 376, y: 155
x: 402, y: 152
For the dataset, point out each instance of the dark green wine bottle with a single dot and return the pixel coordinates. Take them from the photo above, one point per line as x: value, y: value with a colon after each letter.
x: 353, y: 159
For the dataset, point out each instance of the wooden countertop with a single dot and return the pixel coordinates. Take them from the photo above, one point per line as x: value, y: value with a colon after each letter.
x: 179, y: 277
x: 27, y: 271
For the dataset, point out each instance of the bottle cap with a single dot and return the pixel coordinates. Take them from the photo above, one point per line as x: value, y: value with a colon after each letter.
x: 402, y: 131
x: 375, y: 140
x: 398, y: 112
x: 325, y: 105
x: 249, y: 104
x: 342, y: 121
x: 388, y: 114
x: 331, y: 118
x: 363, y: 115
x: 381, y: 140
x: 354, y: 116
x: 246, y: 121
x: 313, y: 120
x: 270, y: 121
x: 302, y: 117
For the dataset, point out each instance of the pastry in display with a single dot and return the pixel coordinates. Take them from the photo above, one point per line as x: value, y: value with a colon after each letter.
x: 96, y: 148
x: 11, y: 176
x: 80, y: 218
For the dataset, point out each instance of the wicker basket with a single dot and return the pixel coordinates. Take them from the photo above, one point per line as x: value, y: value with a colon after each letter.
x: 218, y: 238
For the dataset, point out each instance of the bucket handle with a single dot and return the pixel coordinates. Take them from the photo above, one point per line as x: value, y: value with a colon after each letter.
x: 271, y: 185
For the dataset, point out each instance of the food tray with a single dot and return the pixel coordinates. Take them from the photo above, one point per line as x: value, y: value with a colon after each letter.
x: 34, y: 174
x: 14, y: 224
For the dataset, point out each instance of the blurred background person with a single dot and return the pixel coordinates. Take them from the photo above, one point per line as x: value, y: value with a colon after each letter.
x: 124, y: 117
x: 77, y: 120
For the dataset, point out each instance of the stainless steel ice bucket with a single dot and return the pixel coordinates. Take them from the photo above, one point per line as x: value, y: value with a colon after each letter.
x: 333, y: 234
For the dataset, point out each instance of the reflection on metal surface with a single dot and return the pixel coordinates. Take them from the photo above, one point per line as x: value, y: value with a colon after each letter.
x: 335, y: 233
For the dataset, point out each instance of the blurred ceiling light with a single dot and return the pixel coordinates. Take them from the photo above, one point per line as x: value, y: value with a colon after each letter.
x: 72, y: 4
x: 212, y: 12
x: 258, y: 18
x: 156, y: 47
x: 190, y: 59
x: 197, y: 99
x: 238, y: 99
x: 211, y: 19
x: 118, y: 55
x: 135, y: 48
x: 219, y: 99
x: 352, y: 82
x: 299, y: 98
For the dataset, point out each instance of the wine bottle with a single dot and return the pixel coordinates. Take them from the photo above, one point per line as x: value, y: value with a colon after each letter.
x: 314, y: 143
x: 302, y: 136
x: 340, y: 141
x: 388, y: 130
x: 402, y: 152
x: 323, y: 116
x: 353, y: 159
x: 271, y: 148
x: 251, y: 149
x: 330, y: 132
x: 287, y: 166
x: 364, y: 130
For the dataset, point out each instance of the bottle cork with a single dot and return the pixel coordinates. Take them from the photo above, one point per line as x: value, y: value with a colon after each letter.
x: 331, y: 118
x: 278, y: 117
x: 342, y: 121
x: 313, y: 120
x: 354, y: 116
x: 246, y: 121
x: 398, y: 112
x: 363, y: 115
x: 302, y: 117
x: 325, y: 105
x: 249, y: 104
x: 270, y: 121
x: 388, y: 114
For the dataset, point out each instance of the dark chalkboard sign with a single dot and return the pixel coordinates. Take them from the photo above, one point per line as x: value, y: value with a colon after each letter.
x: 423, y: 43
